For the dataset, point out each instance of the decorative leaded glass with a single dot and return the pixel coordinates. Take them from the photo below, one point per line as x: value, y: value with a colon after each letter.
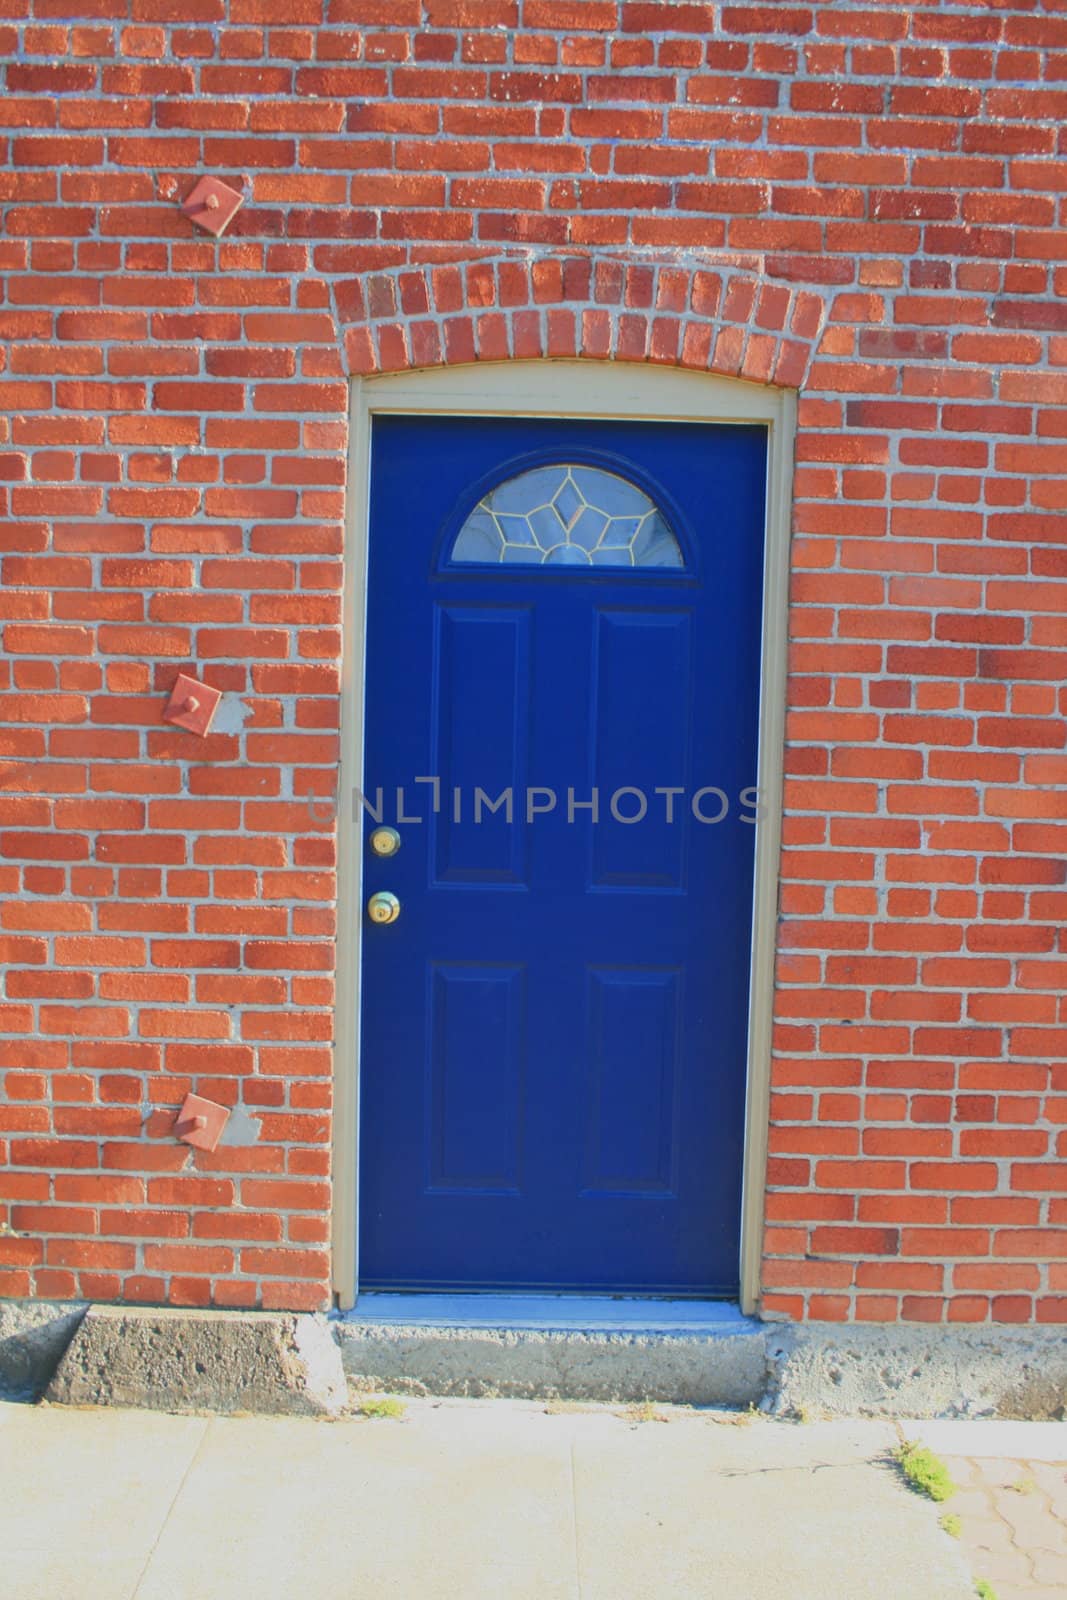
x: 567, y: 515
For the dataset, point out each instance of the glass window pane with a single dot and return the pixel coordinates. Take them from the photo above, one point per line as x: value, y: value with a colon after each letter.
x: 567, y: 515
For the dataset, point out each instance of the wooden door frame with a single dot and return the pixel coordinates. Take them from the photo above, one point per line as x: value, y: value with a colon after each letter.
x: 579, y: 389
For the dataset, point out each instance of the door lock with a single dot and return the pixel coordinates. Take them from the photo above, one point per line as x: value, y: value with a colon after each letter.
x: 385, y: 841
x: 383, y: 907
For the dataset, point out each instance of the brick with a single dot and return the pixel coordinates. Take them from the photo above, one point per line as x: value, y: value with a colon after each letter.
x: 168, y: 913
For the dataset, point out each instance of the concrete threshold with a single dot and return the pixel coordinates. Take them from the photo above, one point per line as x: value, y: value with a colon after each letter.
x: 576, y: 1313
x: 567, y: 1347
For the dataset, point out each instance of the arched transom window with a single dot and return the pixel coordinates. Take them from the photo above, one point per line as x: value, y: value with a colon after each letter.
x: 567, y: 515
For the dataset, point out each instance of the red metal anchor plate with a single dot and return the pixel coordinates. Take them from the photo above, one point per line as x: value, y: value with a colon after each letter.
x: 212, y: 204
x: 192, y: 704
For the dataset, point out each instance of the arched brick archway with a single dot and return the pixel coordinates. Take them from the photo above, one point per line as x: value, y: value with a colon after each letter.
x: 725, y: 319
x: 409, y: 325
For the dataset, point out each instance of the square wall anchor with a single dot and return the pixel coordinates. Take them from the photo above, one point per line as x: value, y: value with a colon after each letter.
x: 212, y: 205
x: 200, y: 1122
x: 192, y: 704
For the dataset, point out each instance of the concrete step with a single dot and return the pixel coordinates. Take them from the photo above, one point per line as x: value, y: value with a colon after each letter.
x: 555, y: 1347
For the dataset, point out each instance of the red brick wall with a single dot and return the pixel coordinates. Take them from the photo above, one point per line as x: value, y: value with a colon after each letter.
x: 866, y: 202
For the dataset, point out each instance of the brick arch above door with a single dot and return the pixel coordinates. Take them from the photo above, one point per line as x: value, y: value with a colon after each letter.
x: 727, y: 319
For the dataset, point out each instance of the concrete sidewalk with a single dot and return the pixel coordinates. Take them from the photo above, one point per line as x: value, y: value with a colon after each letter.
x: 462, y: 1500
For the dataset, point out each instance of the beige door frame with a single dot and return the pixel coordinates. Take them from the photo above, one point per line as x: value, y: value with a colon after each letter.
x: 566, y: 389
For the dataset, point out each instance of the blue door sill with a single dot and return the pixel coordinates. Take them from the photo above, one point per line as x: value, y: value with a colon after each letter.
x: 562, y: 1312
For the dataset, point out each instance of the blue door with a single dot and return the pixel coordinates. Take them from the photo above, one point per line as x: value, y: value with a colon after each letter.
x: 563, y: 663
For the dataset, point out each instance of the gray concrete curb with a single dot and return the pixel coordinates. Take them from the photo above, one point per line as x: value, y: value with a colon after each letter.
x: 889, y: 1370
x: 289, y: 1363
x: 216, y: 1361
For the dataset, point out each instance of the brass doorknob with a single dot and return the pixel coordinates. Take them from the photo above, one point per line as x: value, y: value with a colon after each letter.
x: 383, y: 907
